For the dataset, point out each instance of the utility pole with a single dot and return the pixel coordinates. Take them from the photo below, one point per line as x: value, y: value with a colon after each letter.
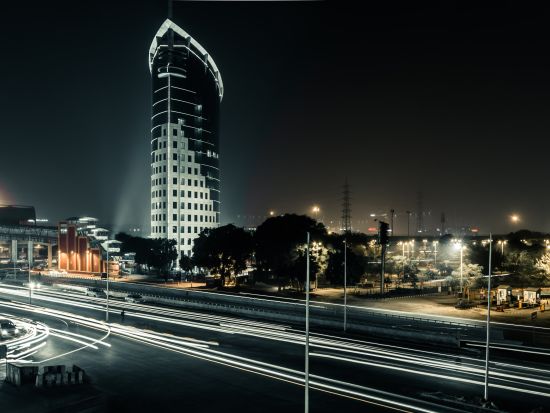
x: 488, y: 321
x: 345, y: 284
x: 383, y: 241
x: 306, y: 404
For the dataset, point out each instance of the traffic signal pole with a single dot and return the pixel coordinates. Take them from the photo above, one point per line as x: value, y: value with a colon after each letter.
x: 382, y: 268
x: 383, y: 239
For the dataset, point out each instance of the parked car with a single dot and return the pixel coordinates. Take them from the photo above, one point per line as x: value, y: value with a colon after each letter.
x: 8, y: 328
x: 134, y: 298
x: 95, y: 292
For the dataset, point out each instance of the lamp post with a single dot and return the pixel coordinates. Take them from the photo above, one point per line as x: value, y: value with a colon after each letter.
x: 345, y: 284
x: 29, y: 252
x: 502, y: 243
x: 306, y: 399
x: 106, y: 246
x: 486, y: 395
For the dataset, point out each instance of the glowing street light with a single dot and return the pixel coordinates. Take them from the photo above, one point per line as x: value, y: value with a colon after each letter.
x: 502, y: 243
x: 458, y: 245
x: 514, y: 218
x: 271, y: 213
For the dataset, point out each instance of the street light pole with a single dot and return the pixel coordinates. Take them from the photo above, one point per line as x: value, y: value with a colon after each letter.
x: 29, y: 252
x: 107, y: 312
x: 461, y: 266
x: 345, y: 284
x: 306, y: 404
x: 488, y: 322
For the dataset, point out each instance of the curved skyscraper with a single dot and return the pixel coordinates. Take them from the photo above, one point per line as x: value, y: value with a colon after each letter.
x: 187, y: 90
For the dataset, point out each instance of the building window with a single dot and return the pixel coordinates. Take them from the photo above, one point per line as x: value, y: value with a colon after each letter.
x: 174, y: 230
x: 183, y: 181
x: 182, y: 194
x: 195, y: 218
x: 206, y: 196
x: 200, y: 207
x: 196, y: 183
x: 202, y: 184
x: 189, y: 182
x: 182, y: 230
x: 196, y: 171
x: 189, y: 218
x: 189, y: 230
x: 189, y: 171
x: 189, y: 205
x: 182, y: 218
x: 189, y: 241
x: 164, y: 192
x: 182, y: 205
x: 174, y: 144
x: 201, y: 196
x: 164, y: 205
x: 164, y: 156
x: 201, y: 218
x: 195, y: 206
x: 175, y: 181
x: 196, y: 195
x: 174, y: 168
x: 164, y: 217
x: 174, y: 192
x: 164, y: 179
x: 174, y: 217
x: 175, y: 205
x: 196, y: 229
x: 175, y: 131
x: 164, y: 168
x: 174, y: 156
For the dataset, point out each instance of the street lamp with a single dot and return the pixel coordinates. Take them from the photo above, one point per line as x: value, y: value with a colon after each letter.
x: 306, y: 369
x: 106, y: 246
x: 502, y: 243
x: 315, y: 209
x: 514, y: 218
x: 458, y: 245
x: 345, y: 284
x: 435, y: 243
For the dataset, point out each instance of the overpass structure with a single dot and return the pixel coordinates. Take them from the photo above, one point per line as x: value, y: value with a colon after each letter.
x: 27, y: 242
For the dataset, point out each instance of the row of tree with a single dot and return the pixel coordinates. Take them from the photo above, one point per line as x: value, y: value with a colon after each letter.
x: 277, y: 252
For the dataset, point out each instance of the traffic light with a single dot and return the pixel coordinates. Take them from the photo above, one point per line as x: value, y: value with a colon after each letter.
x: 383, y: 236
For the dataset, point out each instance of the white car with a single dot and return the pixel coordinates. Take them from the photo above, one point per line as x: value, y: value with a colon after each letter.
x: 134, y: 298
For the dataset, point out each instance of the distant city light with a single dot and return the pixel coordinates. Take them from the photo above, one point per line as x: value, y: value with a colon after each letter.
x: 514, y: 218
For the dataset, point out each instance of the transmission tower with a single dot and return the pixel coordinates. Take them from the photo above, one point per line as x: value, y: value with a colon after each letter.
x: 346, y: 209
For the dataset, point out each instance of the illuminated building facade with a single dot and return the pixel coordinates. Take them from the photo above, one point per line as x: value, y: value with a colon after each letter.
x: 185, y: 179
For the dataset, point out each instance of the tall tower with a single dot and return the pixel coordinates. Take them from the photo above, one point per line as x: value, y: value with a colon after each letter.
x: 187, y: 89
x: 346, y: 209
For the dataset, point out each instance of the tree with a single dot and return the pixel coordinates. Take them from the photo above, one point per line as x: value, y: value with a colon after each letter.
x: 335, y: 267
x: 280, y: 244
x: 186, y: 264
x: 162, y: 255
x: 142, y: 247
x: 224, y: 250
x: 543, y: 264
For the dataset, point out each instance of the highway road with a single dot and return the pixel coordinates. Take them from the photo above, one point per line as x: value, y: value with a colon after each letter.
x: 176, y: 359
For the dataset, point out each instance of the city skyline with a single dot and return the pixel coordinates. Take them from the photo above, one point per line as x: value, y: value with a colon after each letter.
x: 425, y: 114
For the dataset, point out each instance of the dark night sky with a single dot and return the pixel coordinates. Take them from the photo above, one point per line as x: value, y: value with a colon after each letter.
x: 449, y: 101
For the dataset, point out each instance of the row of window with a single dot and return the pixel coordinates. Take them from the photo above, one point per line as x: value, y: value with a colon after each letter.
x: 190, y: 230
x: 162, y: 181
x: 190, y: 218
x: 162, y: 168
x: 198, y: 195
x: 157, y: 157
